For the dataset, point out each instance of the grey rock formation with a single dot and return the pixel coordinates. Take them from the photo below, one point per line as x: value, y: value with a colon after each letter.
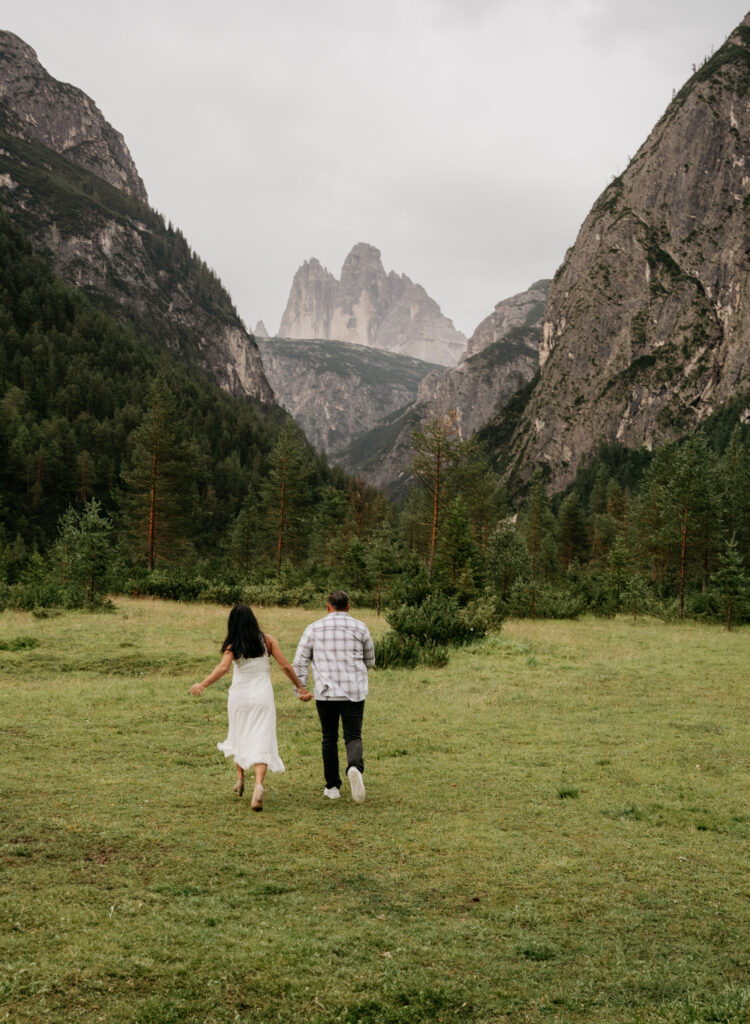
x: 523, y: 310
x: 260, y: 330
x: 63, y: 118
x: 369, y: 307
x: 67, y: 179
x: 646, y: 331
x: 336, y: 389
x: 506, y: 356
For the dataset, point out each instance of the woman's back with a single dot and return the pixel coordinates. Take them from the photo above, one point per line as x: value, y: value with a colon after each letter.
x: 251, y: 669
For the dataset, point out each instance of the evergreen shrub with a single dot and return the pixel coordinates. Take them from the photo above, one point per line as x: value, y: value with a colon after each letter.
x: 439, y: 620
x: 398, y: 650
x: 169, y: 583
x: 421, y: 634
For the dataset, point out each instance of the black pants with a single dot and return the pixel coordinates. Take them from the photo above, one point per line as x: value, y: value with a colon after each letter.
x: 351, y: 713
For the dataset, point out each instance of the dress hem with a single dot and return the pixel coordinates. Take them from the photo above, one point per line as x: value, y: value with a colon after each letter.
x: 274, y: 762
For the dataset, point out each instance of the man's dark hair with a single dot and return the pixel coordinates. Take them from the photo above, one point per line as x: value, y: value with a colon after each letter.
x: 339, y: 600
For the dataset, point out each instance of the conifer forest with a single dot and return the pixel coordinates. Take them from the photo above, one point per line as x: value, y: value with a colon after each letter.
x: 126, y: 470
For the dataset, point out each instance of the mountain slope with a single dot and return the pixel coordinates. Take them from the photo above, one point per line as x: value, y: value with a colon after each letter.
x: 505, y: 356
x: 369, y: 307
x: 646, y: 332
x: 67, y: 178
x: 74, y: 386
x: 335, y: 389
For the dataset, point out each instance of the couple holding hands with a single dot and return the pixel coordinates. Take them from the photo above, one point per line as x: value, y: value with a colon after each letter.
x: 340, y: 649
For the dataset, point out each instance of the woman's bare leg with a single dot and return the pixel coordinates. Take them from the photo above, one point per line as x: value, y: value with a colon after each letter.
x: 260, y: 774
x: 239, y: 787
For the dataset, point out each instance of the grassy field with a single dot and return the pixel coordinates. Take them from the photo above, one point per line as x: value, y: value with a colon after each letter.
x: 556, y: 829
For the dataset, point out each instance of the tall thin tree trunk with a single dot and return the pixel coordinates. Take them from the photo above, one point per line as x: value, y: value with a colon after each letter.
x: 435, y: 511
x: 683, y: 560
x: 152, y: 507
x: 280, y: 538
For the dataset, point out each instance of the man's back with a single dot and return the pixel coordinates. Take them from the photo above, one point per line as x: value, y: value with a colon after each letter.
x: 341, y: 650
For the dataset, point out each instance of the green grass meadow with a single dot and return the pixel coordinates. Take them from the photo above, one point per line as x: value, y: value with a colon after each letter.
x: 556, y: 829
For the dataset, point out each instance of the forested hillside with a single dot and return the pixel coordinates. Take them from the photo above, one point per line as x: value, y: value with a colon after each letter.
x: 86, y: 403
x: 85, y: 207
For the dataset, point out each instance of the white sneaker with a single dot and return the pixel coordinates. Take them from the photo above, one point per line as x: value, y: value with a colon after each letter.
x: 354, y: 775
x: 332, y: 793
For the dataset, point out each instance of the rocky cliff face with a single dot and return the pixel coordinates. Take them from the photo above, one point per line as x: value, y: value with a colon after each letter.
x: 647, y: 329
x: 369, y: 307
x: 63, y: 118
x: 524, y: 310
x: 335, y: 389
x: 505, y: 357
x: 68, y: 180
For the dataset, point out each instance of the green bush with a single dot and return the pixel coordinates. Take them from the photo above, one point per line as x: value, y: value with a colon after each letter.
x: 439, y: 620
x: 171, y: 584
x: 398, y: 650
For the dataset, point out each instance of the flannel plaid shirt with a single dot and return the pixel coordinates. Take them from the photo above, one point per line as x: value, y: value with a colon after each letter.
x: 341, y: 650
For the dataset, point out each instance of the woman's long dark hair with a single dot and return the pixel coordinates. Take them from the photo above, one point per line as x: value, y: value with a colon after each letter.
x: 243, y: 634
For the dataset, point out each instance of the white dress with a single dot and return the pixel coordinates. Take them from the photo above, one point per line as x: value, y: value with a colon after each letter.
x: 252, y: 716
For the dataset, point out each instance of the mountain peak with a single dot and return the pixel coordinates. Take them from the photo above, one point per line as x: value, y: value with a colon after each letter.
x: 369, y: 307
x: 12, y: 44
x: 62, y: 117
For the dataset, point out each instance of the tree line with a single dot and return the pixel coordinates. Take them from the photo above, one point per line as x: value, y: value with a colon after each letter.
x: 123, y: 468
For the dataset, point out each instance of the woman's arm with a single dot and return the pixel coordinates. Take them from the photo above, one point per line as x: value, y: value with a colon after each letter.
x: 273, y: 648
x: 221, y: 670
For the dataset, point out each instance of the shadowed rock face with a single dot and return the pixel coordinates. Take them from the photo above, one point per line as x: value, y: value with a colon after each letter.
x: 63, y: 118
x: 369, y: 307
x: 335, y: 389
x: 504, y: 356
x: 647, y: 329
x: 524, y: 310
x: 68, y: 180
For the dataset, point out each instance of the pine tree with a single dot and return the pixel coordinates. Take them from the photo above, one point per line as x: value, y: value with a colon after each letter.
x: 734, y: 487
x: 84, y: 548
x: 507, y: 558
x: 286, y: 492
x: 571, y: 531
x: 436, y: 449
x: 473, y: 479
x: 537, y: 525
x: 689, y: 512
x: 159, y: 477
x: 457, y: 553
x: 730, y: 578
x: 243, y: 543
x: 382, y: 557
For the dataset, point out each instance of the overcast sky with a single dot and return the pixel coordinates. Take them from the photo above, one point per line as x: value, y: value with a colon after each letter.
x: 466, y: 139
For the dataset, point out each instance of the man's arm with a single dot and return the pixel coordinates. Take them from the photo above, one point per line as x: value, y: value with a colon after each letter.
x: 368, y: 650
x: 302, y: 656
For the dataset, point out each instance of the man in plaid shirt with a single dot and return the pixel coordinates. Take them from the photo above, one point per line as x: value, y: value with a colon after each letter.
x: 341, y: 651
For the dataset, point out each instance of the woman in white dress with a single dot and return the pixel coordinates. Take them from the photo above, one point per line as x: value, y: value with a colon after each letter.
x: 251, y: 739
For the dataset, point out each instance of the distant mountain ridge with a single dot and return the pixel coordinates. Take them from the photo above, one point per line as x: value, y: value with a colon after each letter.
x: 335, y: 389
x: 504, y: 356
x: 68, y: 180
x: 369, y: 307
